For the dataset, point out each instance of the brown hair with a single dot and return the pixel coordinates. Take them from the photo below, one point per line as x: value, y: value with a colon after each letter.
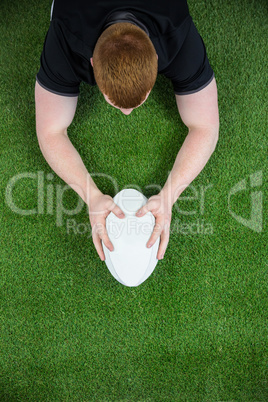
x: 125, y: 64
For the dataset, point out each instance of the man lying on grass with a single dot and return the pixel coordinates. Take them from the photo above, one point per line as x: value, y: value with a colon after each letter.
x: 121, y: 46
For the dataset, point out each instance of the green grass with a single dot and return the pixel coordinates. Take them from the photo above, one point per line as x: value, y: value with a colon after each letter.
x: 196, y: 330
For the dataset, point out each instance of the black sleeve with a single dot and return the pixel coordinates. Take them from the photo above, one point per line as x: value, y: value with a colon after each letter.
x: 190, y: 70
x: 57, y: 64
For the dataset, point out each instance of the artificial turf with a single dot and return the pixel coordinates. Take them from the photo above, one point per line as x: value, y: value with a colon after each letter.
x: 196, y: 330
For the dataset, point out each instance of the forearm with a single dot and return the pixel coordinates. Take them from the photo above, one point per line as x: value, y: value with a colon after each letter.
x: 64, y: 159
x: 191, y: 159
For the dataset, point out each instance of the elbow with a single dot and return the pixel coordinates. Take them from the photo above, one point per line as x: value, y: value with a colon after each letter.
x: 48, y: 137
x: 216, y: 135
x: 41, y: 138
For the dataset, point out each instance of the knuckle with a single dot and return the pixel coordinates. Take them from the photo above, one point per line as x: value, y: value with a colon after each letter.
x: 111, y: 205
x: 157, y: 228
x: 166, y: 223
x: 98, y: 228
x: 106, y: 239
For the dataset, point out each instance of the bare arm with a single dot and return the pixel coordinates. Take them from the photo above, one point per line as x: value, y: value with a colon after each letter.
x: 54, y: 114
x: 199, y: 112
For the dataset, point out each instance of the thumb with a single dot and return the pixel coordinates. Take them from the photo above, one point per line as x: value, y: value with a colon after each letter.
x: 118, y: 211
x: 142, y: 211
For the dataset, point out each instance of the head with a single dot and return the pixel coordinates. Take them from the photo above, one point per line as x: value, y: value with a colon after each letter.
x: 125, y: 65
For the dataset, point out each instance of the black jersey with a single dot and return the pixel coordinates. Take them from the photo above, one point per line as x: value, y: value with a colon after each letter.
x: 76, y: 26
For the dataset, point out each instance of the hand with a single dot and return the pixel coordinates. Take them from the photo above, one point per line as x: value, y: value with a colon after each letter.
x: 162, y: 211
x: 100, y: 206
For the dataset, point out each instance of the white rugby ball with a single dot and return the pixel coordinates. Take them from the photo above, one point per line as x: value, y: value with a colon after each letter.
x: 131, y: 262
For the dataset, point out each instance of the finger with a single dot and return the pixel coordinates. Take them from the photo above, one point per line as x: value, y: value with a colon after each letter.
x: 164, y: 239
x: 158, y: 228
x: 98, y: 247
x: 100, y: 231
x: 107, y: 241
